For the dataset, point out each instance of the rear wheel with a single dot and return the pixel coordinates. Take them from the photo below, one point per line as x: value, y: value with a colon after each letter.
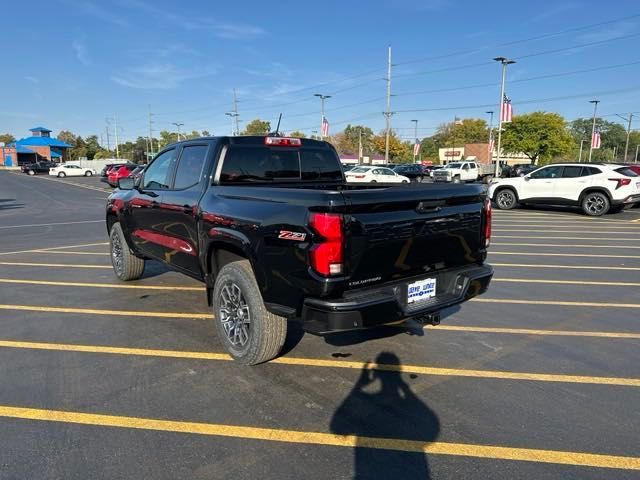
x: 373, y: 181
x: 62, y: 175
x: 250, y: 333
x: 506, y: 199
x: 405, y: 181
x: 31, y: 172
x: 595, y: 204
x: 126, y: 265
x: 419, y: 179
x: 88, y: 173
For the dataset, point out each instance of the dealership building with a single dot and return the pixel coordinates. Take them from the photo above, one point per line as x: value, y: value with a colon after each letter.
x: 36, y: 147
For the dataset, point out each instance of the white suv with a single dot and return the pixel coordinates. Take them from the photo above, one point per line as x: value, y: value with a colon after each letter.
x: 597, y: 188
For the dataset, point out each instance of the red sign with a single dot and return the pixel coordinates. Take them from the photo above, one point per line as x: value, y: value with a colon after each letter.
x: 452, y: 153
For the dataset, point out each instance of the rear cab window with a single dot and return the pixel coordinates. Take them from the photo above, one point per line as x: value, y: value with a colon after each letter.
x: 256, y: 163
x: 626, y: 171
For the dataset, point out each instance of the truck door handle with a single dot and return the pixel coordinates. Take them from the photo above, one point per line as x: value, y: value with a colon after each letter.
x: 188, y: 209
x: 155, y: 204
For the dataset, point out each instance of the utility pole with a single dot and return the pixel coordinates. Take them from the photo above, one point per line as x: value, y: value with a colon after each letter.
x: 504, y: 61
x: 235, y: 112
x: 490, y: 112
x: 322, y: 99
x: 107, y: 132
x: 177, y: 124
x: 234, y: 122
x: 626, y: 146
x: 150, y: 154
x: 415, y: 135
x: 360, y: 152
x: 388, y: 112
x: 115, y: 127
x: 580, y: 155
x: 593, y: 126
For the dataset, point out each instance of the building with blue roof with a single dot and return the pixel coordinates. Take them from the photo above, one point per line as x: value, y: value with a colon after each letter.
x: 39, y: 146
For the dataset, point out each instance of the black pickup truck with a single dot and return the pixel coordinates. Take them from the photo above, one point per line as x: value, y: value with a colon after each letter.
x: 37, y: 167
x: 275, y: 233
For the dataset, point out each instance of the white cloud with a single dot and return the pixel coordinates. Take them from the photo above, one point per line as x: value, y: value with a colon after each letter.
x: 82, y: 52
x: 158, y: 76
x: 31, y: 79
x: 103, y: 14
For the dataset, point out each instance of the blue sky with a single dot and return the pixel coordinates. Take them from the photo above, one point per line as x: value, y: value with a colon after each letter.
x: 70, y: 64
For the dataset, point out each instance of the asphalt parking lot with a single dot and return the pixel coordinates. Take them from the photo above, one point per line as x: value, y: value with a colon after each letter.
x: 539, y: 378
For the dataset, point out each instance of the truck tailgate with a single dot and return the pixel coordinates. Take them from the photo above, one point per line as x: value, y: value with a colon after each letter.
x: 396, y: 232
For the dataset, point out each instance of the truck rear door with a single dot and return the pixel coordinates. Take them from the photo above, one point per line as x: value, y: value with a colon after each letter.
x: 394, y: 233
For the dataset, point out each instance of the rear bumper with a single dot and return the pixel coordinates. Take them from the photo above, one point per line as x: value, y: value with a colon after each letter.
x: 631, y: 199
x: 376, y: 306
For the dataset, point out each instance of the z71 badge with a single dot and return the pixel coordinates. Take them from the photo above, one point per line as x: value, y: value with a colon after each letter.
x: 296, y: 236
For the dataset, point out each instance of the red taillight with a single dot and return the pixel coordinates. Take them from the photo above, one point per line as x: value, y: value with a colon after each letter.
x: 326, y: 255
x: 282, y: 142
x: 486, y: 226
x: 359, y: 176
x: 621, y: 181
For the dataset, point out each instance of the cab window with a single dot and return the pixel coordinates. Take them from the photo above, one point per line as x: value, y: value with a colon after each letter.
x: 189, y: 170
x: 548, y: 172
x: 156, y: 176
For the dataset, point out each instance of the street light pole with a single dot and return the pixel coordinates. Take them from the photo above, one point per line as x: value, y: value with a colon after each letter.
x: 593, y: 126
x: 504, y: 62
x: 490, y: 112
x: 580, y: 155
x: 178, y: 125
x: 626, y: 145
x: 322, y: 99
x: 415, y: 131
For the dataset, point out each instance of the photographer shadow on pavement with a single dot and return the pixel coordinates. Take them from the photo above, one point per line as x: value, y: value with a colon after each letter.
x: 381, y: 405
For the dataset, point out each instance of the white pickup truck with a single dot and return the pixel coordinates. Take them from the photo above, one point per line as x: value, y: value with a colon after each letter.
x: 458, y: 172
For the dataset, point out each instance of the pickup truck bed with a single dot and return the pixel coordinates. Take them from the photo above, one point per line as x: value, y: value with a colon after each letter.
x: 335, y: 256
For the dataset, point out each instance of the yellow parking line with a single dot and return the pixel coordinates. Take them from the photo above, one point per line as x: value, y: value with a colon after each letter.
x: 553, y: 230
x: 326, y: 439
x: 55, y: 248
x: 560, y: 267
x: 58, y: 252
x: 524, y: 254
x: 321, y: 363
x: 60, y: 265
x: 556, y: 302
x: 563, y: 282
x: 92, y: 311
x: 101, y: 285
x: 562, y: 245
x: 533, y: 331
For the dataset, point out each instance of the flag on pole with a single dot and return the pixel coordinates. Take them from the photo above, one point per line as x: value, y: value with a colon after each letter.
x: 416, y: 148
x: 506, y: 110
x: 491, y: 145
x: 595, y: 139
x: 324, y: 131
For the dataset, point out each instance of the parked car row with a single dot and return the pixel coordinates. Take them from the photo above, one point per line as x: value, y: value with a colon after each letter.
x: 113, y: 172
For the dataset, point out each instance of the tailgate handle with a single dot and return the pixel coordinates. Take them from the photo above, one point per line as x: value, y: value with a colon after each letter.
x: 430, y: 207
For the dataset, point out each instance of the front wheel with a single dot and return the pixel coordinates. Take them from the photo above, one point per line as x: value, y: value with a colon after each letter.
x: 373, y: 181
x: 456, y: 179
x: 405, y: 181
x: 506, y: 199
x: 126, y: 265
x: 419, y: 179
x: 595, y: 204
x: 88, y: 173
x: 250, y: 333
x: 61, y: 175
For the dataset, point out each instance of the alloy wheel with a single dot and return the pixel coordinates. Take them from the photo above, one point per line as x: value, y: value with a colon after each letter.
x: 116, y: 254
x: 505, y: 199
x: 234, y: 315
x: 595, y: 204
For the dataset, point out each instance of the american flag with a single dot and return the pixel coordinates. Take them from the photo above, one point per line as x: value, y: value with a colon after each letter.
x: 506, y: 110
x: 491, y: 145
x: 595, y: 139
x: 324, y: 129
x: 416, y: 148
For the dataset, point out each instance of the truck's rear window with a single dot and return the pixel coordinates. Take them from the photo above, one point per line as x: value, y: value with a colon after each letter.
x: 262, y: 164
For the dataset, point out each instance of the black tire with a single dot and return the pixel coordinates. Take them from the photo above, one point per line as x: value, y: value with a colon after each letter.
x: 62, y: 175
x: 419, y: 179
x: 126, y: 265
x: 88, y: 173
x: 31, y: 172
x: 505, y: 199
x: 456, y: 179
x: 595, y: 204
x: 249, y: 332
x: 373, y: 181
x: 405, y: 181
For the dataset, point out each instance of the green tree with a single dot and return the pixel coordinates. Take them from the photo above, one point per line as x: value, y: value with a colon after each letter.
x: 541, y: 136
x: 167, y: 138
x: 7, y: 138
x: 399, y: 151
x: 297, y: 134
x: 612, y: 135
x: 257, y: 127
x: 92, y: 146
x: 467, y: 130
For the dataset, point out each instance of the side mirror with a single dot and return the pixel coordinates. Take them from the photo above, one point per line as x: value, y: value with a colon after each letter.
x: 126, y: 183
x: 527, y: 178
